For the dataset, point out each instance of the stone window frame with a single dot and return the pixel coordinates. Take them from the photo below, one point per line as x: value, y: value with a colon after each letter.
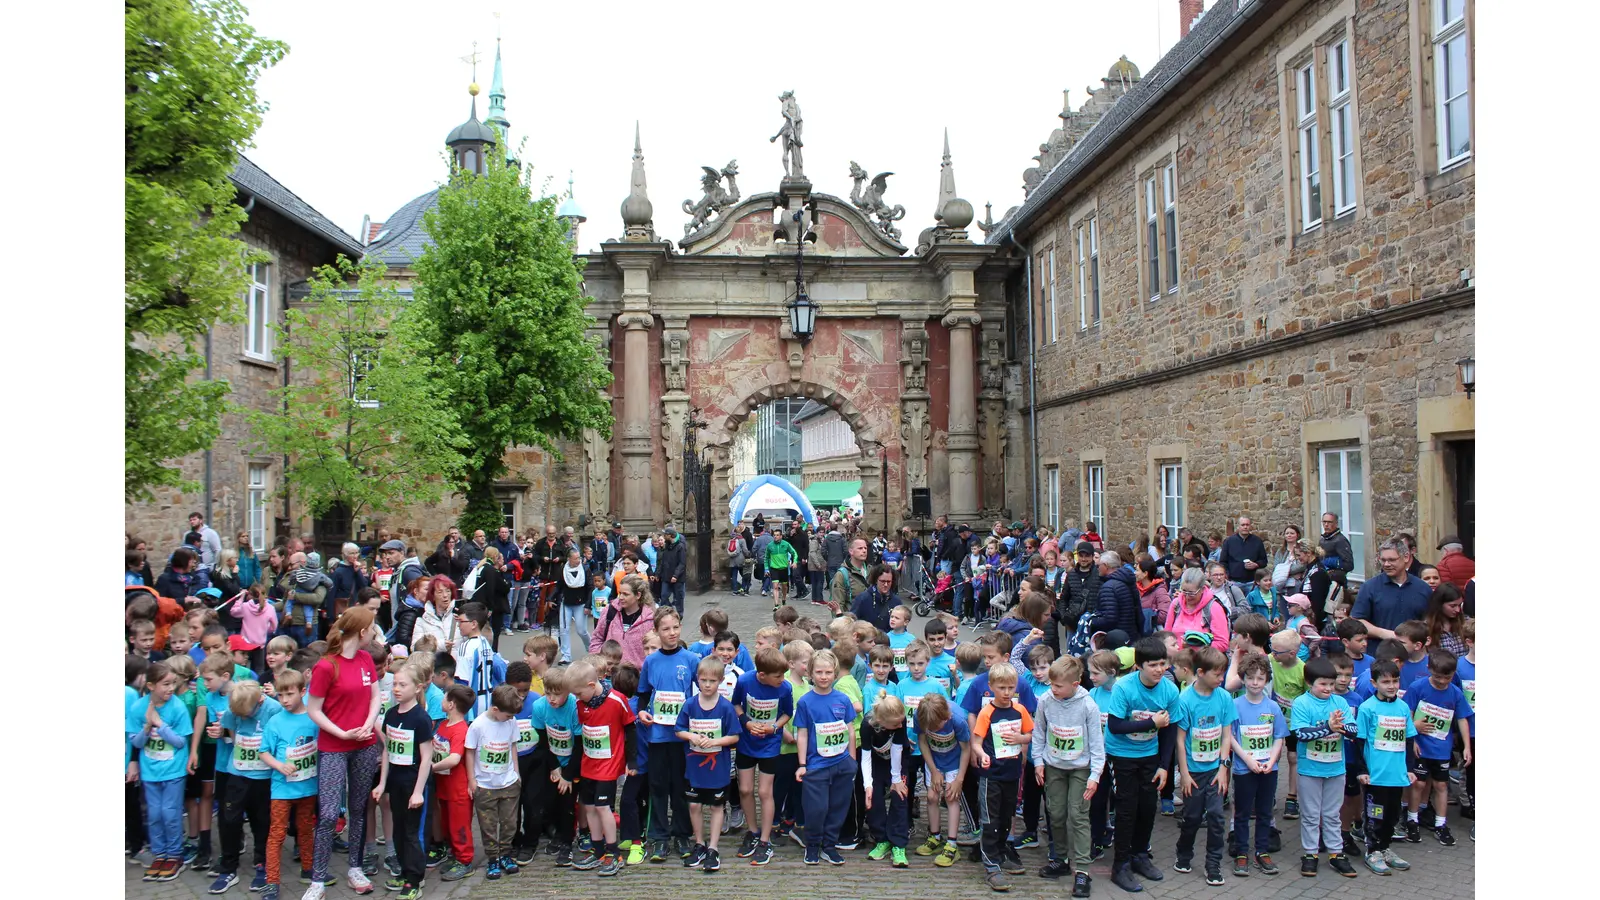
x: 1317, y: 435
x: 1086, y: 270
x: 1051, y: 513
x: 1433, y: 173
x: 1157, y: 457
x: 1087, y: 460
x: 251, y: 490
x: 514, y: 496
x: 1045, y: 294
x: 259, y: 308
x: 1311, y: 48
x: 1159, y: 166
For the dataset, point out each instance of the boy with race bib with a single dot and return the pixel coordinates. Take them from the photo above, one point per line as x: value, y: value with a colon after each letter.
x: 709, y: 726
x: 1069, y: 755
x: 1439, y: 707
x: 1204, y: 716
x: 249, y: 791
x: 825, y: 744
x: 1381, y: 749
x: 290, y: 750
x: 1319, y: 719
x: 1260, y: 729
x: 764, y: 704
x: 665, y: 681
x: 609, y: 743
x: 491, y: 749
x: 454, y: 780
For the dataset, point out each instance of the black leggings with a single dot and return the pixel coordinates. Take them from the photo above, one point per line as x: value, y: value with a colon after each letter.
x: 668, y: 790
x: 133, y: 821
x: 407, y: 831
x: 1385, y: 801
x: 635, y: 792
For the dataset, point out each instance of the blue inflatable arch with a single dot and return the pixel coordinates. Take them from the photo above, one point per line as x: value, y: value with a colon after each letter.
x: 741, y: 498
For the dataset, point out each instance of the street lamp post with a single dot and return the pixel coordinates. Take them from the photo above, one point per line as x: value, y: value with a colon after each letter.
x: 1468, y: 367
x: 802, y: 312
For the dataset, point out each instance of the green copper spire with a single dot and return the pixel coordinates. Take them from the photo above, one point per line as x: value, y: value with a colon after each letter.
x: 497, y: 93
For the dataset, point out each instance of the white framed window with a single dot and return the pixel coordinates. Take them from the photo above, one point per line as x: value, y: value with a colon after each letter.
x: 1341, y: 129
x: 1451, y: 85
x: 1052, y: 496
x: 1088, y: 273
x: 256, y: 500
x: 1094, y: 482
x: 1340, y: 473
x: 1173, y: 509
x: 1051, y: 320
x: 508, y: 513
x: 1169, y: 187
x: 1310, y: 149
x: 258, y: 312
x: 1152, y: 238
x: 362, y: 359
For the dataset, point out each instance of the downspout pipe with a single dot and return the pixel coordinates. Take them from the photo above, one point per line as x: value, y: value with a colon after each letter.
x: 1033, y: 419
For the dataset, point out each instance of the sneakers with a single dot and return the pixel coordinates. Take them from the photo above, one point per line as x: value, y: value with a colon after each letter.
x: 1444, y: 835
x: 227, y: 880
x: 1012, y: 865
x: 1026, y: 841
x: 153, y: 871
x: 1341, y: 864
x: 969, y: 838
x: 269, y: 892
x: 522, y: 856
x: 1394, y: 861
x: 997, y: 881
x: 369, y: 866
x: 392, y: 863
x: 1144, y: 868
x: 762, y: 854
x: 201, y: 861
x: 357, y: 879
x: 1055, y: 868
x: 438, y: 853
x: 492, y: 870
x: 508, y: 865
x: 1122, y: 877
x: 635, y: 853
x: 947, y: 855
x: 1182, y: 866
x: 1308, y: 865
x: 1351, y: 841
x: 747, y: 847
x: 315, y: 892
x: 813, y: 857
x: 172, y: 870
x: 697, y: 855
x: 831, y: 854
x: 1399, y: 833
x: 850, y: 844
x: 411, y: 892
x: 587, y: 859
x: 712, y: 861
x: 1413, y: 832
x: 1098, y: 850
x: 658, y: 851
x: 610, y: 865
x: 1376, y: 863
x: 1167, y: 807
x: 457, y: 871
x: 879, y: 851
x: 932, y: 845
x: 1291, y: 807
x: 797, y: 833
x: 1080, y: 885
x: 1214, y: 877
x: 897, y: 858
x: 584, y: 842
x: 1265, y: 864
x: 563, y: 856
x: 258, y: 882
x: 395, y: 883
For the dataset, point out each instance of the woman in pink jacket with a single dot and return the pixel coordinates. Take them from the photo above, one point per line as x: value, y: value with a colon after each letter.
x: 1194, y: 609
x: 627, y: 620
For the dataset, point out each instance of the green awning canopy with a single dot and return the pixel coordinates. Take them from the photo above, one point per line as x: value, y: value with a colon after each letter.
x: 831, y: 494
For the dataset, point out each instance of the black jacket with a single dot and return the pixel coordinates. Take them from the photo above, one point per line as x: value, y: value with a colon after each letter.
x: 1118, y: 607
x: 671, y: 560
x: 494, y: 591
x: 951, y: 547
x: 347, y: 582
x: 552, y: 556
x: 405, y: 622
x: 1238, y: 548
x: 1079, y: 595
x: 872, y: 606
x: 801, y: 542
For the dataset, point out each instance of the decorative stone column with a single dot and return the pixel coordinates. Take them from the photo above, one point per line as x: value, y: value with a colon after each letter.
x: 636, y: 443
x: 597, y: 500
x: 992, y: 420
x: 675, y: 409
x: 963, y: 432
x: 916, y: 431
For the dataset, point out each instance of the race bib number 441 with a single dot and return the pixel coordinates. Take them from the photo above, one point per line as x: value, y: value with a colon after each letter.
x: 666, y: 705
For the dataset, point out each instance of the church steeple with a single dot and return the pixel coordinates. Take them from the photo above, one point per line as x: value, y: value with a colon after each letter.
x: 497, y: 102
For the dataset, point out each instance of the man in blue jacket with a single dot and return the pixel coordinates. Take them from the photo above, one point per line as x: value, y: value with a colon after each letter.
x: 1119, y: 598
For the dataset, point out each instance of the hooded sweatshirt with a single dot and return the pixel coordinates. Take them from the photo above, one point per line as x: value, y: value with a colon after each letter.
x: 1180, y: 618
x: 1067, y: 733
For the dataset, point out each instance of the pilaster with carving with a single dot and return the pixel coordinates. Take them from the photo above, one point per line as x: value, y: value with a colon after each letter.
x: 597, y: 452
x: 992, y: 418
x: 916, y: 428
x: 674, y: 408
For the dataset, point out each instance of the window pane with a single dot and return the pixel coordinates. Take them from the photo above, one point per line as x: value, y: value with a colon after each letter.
x: 1153, y: 242
x: 1336, y: 65
x: 1331, y: 475
x: 1460, y: 141
x: 1172, y: 249
x: 1308, y: 92
x: 1353, y: 470
x: 1450, y: 11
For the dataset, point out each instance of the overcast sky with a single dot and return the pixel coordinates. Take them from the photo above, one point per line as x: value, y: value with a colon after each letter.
x: 361, y: 104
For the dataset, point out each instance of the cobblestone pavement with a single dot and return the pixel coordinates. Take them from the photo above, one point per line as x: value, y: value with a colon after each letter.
x: 1437, y: 873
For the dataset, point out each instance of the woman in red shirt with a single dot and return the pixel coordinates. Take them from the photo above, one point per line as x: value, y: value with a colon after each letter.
x: 343, y: 700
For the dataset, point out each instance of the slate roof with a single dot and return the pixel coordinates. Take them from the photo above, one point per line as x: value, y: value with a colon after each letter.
x: 403, y: 238
x: 253, y: 180
x: 1217, y: 23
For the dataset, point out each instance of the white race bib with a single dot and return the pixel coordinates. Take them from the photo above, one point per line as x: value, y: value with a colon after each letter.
x: 1140, y: 715
x: 303, y: 759
x: 1470, y: 688
x: 900, y: 660
x: 494, y: 757
x: 157, y: 750
x: 560, y: 740
x: 911, y: 704
x: 757, y: 710
x: 527, y: 738
x: 665, y: 706
x: 1257, y: 740
x: 942, y: 743
x: 597, y: 741
x: 1325, y: 750
x: 832, y: 738
x: 1205, y: 744
x: 247, y: 753
x: 1003, y: 750
x: 441, y: 747
x: 1066, y: 742
x: 710, y: 729
x: 401, y: 745
x: 1391, y: 734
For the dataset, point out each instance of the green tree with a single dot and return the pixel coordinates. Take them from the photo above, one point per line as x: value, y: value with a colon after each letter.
x: 365, y: 424
x: 190, y: 108
x: 498, y: 294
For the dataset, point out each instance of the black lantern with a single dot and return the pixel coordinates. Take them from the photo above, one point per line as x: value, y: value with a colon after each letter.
x: 1468, y: 368
x: 802, y: 316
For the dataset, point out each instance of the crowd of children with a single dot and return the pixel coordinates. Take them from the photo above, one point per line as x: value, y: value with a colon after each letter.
x: 831, y: 734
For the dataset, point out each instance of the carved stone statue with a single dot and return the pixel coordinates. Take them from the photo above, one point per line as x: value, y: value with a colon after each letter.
x: 674, y: 360
x: 716, y: 198
x: 790, y: 132
x: 871, y: 201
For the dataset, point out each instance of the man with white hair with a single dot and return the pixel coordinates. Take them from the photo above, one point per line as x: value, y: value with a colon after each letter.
x: 1118, y: 607
x: 1455, y: 566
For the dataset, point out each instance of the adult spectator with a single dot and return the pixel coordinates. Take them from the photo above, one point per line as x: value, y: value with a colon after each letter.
x: 1393, y: 597
x: 304, y: 590
x: 225, y: 578
x: 1315, y: 582
x: 437, y: 619
x: 343, y: 699
x: 469, y: 552
x: 1081, y: 589
x: 210, y: 542
x: 507, y: 545
x: 1284, y: 557
x: 182, y: 578
x: 948, y: 547
x: 758, y: 549
x: 672, y: 559
x: 834, y: 550
x: 801, y: 542
x: 1161, y: 546
x: 738, y: 551
x: 551, y: 556
x: 406, y: 580
x: 348, y: 579
x: 249, y: 564
x: 1092, y: 536
x: 1118, y: 604
x: 627, y: 620
x: 494, y: 592
x: 851, y: 579
x: 617, y: 539
x: 1414, y: 568
x: 1243, y: 552
x: 1196, y: 608
x: 1446, y: 619
x: 1231, y: 594
x: 443, y: 560
x: 876, y: 602
x: 1337, y: 557
x: 1455, y: 566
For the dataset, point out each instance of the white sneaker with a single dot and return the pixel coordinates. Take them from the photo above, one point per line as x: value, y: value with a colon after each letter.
x: 314, y: 892
x: 358, y: 881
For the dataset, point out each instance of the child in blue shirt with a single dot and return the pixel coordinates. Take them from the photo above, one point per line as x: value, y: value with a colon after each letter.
x: 289, y: 748
x: 1383, y: 745
x: 158, y: 726
x: 764, y: 704
x: 1140, y: 739
x: 1259, y: 732
x: 914, y: 685
x: 826, y: 746
x: 1319, y: 719
x: 945, y: 743
x: 1205, y: 713
x: 249, y: 791
x: 554, y: 720
x: 1263, y: 600
x: 943, y: 667
x: 1439, y: 707
x: 710, y: 727
x: 882, y: 665
x: 900, y: 638
x: 599, y: 597
x: 666, y: 681
x: 1353, y: 635
x: 1467, y: 677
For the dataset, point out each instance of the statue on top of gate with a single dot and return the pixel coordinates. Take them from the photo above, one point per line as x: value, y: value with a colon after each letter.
x: 716, y: 198
x: 871, y: 202
x: 790, y: 132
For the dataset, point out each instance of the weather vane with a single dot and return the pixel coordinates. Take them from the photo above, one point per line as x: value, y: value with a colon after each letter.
x: 472, y: 60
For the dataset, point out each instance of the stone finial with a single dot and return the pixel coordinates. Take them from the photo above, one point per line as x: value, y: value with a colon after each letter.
x: 954, y: 213
x: 947, y: 181
x: 636, y: 210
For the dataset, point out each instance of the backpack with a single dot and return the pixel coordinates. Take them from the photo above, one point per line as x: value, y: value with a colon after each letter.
x: 470, y: 586
x: 1080, y: 644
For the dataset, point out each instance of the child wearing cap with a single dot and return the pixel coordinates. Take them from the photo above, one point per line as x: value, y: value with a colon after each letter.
x: 243, y: 653
x: 1299, y: 607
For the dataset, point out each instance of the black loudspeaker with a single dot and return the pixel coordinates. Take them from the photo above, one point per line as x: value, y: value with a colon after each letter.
x: 922, y: 503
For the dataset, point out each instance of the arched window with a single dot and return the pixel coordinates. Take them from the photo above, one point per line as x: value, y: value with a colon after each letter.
x: 469, y: 160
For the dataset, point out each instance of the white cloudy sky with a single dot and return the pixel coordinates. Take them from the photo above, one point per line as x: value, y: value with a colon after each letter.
x: 362, y: 103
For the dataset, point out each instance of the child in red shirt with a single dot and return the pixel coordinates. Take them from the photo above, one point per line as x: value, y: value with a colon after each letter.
x: 608, y: 746
x: 453, y: 777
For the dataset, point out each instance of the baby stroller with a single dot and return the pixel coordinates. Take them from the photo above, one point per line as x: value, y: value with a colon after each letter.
x: 1003, y: 585
x: 932, y: 598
